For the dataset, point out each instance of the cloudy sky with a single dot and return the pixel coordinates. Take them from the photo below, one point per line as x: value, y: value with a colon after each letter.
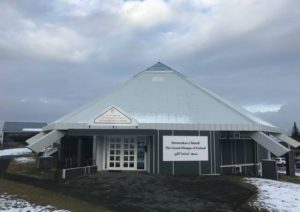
x: 57, y: 55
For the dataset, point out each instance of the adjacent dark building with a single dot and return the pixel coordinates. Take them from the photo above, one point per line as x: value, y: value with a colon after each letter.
x: 19, y: 132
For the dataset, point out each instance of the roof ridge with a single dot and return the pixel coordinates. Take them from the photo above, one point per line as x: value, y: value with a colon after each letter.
x: 159, y: 66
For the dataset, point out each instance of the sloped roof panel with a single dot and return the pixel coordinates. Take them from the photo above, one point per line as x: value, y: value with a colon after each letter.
x: 162, y: 95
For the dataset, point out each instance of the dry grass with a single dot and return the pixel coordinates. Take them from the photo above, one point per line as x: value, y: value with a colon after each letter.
x: 15, y: 167
x: 240, y: 181
x: 289, y: 179
x: 29, y: 168
x: 44, y: 197
x: 38, y: 195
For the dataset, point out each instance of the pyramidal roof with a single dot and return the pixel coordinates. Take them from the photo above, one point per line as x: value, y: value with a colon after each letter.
x: 159, y: 67
x: 162, y: 98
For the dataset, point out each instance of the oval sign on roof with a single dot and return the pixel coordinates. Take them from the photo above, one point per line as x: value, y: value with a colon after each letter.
x: 112, y: 116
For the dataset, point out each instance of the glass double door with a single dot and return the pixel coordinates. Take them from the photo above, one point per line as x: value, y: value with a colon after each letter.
x: 125, y: 153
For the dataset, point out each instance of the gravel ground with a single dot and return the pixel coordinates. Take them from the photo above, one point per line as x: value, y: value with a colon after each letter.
x: 131, y: 191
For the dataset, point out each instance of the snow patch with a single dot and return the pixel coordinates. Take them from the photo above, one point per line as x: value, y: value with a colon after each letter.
x: 23, y: 160
x: 16, y: 151
x: 12, y: 203
x: 275, y: 195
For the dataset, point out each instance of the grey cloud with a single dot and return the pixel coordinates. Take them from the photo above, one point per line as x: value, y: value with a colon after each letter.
x: 284, y: 118
x: 247, y: 65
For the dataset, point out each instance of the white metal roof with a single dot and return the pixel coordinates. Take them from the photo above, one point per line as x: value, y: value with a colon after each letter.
x: 162, y: 98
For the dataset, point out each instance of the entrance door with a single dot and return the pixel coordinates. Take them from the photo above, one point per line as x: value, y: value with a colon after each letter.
x: 121, y: 153
x: 129, y: 153
x: 114, y: 153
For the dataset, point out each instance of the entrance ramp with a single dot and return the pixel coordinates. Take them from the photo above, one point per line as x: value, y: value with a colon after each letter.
x: 288, y: 140
x: 50, y: 151
x: 44, y: 140
x: 270, y: 143
x: 34, y: 138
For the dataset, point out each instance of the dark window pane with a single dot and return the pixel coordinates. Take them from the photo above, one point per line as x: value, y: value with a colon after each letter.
x: 140, y: 166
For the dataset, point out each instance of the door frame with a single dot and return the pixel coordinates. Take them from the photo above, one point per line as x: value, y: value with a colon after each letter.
x: 106, y: 149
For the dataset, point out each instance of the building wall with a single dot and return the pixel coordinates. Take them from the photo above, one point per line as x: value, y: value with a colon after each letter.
x: 228, y: 152
x: 17, y: 136
x: 243, y: 152
x: 76, y: 151
x: 223, y: 152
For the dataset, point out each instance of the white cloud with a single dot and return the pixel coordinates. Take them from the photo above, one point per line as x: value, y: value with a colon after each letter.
x: 148, y: 13
x: 46, y: 41
x: 56, y: 42
x: 200, y: 25
x: 83, y: 8
x: 43, y: 100
x: 24, y: 100
x: 47, y: 100
x: 77, y: 7
x: 194, y: 26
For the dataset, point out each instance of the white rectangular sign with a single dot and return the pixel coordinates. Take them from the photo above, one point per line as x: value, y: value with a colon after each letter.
x: 185, y: 148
